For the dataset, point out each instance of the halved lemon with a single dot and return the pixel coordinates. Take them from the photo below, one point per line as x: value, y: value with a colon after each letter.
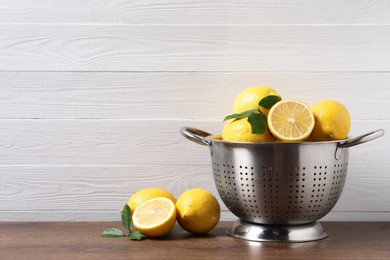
x: 146, y: 194
x: 290, y: 120
x: 155, y: 217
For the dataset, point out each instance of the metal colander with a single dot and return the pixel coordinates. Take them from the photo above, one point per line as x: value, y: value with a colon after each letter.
x: 278, y: 183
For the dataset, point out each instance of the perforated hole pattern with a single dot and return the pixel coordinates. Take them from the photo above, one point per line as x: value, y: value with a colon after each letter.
x: 269, y: 195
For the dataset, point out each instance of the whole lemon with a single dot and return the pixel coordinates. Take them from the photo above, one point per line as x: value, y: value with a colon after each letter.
x: 250, y: 97
x: 146, y: 194
x: 198, y: 211
x: 239, y: 130
x: 332, y: 121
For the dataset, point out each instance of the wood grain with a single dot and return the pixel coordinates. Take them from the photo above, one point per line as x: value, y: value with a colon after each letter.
x: 133, y: 142
x: 196, y: 12
x: 80, y: 240
x: 62, y: 193
x: 62, y: 188
x: 86, y: 169
x: 72, y: 215
x: 175, y: 95
x: 93, y: 94
x: 194, y: 48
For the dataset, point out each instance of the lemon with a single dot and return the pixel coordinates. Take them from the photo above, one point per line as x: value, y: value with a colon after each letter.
x: 146, y: 194
x: 250, y: 97
x: 155, y: 217
x: 332, y: 121
x: 290, y: 120
x: 198, y: 211
x: 239, y: 130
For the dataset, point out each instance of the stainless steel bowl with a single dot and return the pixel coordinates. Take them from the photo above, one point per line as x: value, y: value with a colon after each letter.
x: 278, y: 184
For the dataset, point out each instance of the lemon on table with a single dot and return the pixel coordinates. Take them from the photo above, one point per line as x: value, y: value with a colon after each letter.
x: 250, y: 97
x: 155, y: 217
x: 198, y: 211
x: 332, y: 121
x: 146, y: 194
x: 290, y: 120
x: 240, y: 130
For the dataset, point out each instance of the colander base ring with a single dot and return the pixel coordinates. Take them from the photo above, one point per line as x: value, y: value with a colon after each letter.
x: 277, y: 233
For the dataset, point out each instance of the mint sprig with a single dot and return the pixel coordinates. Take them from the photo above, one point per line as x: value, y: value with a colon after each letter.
x: 126, y: 217
x: 112, y: 232
x: 135, y: 235
x: 258, y: 122
x: 240, y: 115
x: 256, y: 118
x: 269, y: 101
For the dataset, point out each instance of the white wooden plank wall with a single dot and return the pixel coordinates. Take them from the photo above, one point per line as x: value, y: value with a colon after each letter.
x: 93, y: 94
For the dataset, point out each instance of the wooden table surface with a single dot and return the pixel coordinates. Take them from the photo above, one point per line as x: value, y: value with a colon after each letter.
x: 81, y: 240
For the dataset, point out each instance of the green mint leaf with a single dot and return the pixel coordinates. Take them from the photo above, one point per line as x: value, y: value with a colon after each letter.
x: 240, y: 115
x: 258, y: 122
x: 269, y: 101
x: 112, y: 232
x: 126, y: 216
x: 135, y: 235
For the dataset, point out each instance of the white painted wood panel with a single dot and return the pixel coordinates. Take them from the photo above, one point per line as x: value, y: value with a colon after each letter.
x: 59, y: 193
x: 94, y: 188
x: 194, y: 48
x: 114, y: 215
x: 195, y: 12
x: 93, y: 94
x: 135, y: 142
x: 366, y: 190
x: 186, y: 95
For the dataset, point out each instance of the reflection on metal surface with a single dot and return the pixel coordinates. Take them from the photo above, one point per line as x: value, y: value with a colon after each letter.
x: 277, y: 233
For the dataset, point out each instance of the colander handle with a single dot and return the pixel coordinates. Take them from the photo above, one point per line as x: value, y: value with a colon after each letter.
x: 358, y: 140
x: 195, y: 135
x: 362, y: 138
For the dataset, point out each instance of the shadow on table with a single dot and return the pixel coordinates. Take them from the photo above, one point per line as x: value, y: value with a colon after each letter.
x: 178, y: 234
